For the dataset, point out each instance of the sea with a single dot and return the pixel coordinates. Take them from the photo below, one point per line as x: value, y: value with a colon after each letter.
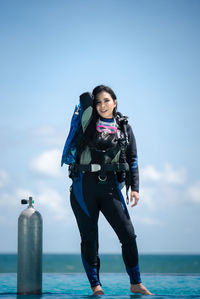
x: 165, y: 275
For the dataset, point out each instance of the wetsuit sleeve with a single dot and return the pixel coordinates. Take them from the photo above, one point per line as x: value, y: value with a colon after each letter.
x: 132, y: 159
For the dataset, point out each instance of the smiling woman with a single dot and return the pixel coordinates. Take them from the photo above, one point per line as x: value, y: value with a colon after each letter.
x: 107, y: 156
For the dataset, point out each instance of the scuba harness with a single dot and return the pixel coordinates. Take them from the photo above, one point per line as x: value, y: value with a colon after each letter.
x: 81, y: 118
x: 125, y: 175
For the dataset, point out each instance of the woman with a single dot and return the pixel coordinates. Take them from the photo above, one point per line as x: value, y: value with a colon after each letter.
x: 111, y: 152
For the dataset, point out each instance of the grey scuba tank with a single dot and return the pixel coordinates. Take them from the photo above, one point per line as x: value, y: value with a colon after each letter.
x: 29, y: 267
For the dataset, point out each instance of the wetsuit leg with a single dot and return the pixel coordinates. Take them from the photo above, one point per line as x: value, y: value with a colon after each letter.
x: 88, y: 197
x: 114, y: 209
x: 86, y: 211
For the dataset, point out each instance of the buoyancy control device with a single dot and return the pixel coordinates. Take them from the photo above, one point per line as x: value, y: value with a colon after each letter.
x: 79, y: 122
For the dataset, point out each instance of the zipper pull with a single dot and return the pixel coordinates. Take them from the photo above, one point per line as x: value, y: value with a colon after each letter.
x: 77, y: 111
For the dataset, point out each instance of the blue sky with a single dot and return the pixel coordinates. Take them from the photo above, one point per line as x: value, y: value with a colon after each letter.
x: 149, y: 53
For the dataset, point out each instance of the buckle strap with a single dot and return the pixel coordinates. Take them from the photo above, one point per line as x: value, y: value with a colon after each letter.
x: 89, y: 167
x: 115, y: 167
x: 99, y: 167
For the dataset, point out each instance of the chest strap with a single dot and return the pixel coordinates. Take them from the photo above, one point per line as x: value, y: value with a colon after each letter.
x: 102, y: 168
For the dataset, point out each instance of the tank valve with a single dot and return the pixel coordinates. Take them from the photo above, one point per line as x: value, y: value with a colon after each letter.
x: 30, y: 201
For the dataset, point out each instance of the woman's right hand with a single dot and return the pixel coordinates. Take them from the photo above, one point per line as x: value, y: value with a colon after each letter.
x: 134, y: 196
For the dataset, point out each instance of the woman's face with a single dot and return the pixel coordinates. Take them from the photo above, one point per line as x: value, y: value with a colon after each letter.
x: 105, y: 104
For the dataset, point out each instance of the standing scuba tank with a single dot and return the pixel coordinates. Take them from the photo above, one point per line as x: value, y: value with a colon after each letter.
x: 29, y: 268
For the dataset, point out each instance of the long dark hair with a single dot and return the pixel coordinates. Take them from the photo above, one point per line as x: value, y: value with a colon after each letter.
x: 87, y: 136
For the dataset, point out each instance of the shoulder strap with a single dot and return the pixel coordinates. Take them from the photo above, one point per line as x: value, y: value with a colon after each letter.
x: 123, y: 121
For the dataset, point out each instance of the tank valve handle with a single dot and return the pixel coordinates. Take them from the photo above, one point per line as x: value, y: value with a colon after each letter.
x: 30, y: 201
x: 24, y: 201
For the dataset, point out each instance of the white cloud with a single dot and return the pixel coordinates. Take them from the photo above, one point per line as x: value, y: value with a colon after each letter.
x: 194, y: 192
x: 4, y: 178
x: 149, y: 173
x: 148, y: 196
x: 162, y: 189
x: 173, y: 176
x: 167, y: 176
x: 47, y: 163
x: 53, y: 203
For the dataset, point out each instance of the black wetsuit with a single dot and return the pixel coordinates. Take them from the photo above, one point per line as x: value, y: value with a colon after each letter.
x: 89, y: 195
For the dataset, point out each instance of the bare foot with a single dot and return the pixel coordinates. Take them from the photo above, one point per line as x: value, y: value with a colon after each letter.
x: 97, y: 290
x: 139, y: 288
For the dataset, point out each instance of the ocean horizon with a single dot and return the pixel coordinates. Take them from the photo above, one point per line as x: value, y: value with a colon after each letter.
x: 110, y: 263
x: 166, y: 275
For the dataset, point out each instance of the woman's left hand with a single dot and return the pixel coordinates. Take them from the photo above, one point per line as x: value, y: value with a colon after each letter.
x: 134, y: 196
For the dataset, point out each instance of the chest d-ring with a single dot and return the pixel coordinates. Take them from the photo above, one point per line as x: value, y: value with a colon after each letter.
x: 102, y: 179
